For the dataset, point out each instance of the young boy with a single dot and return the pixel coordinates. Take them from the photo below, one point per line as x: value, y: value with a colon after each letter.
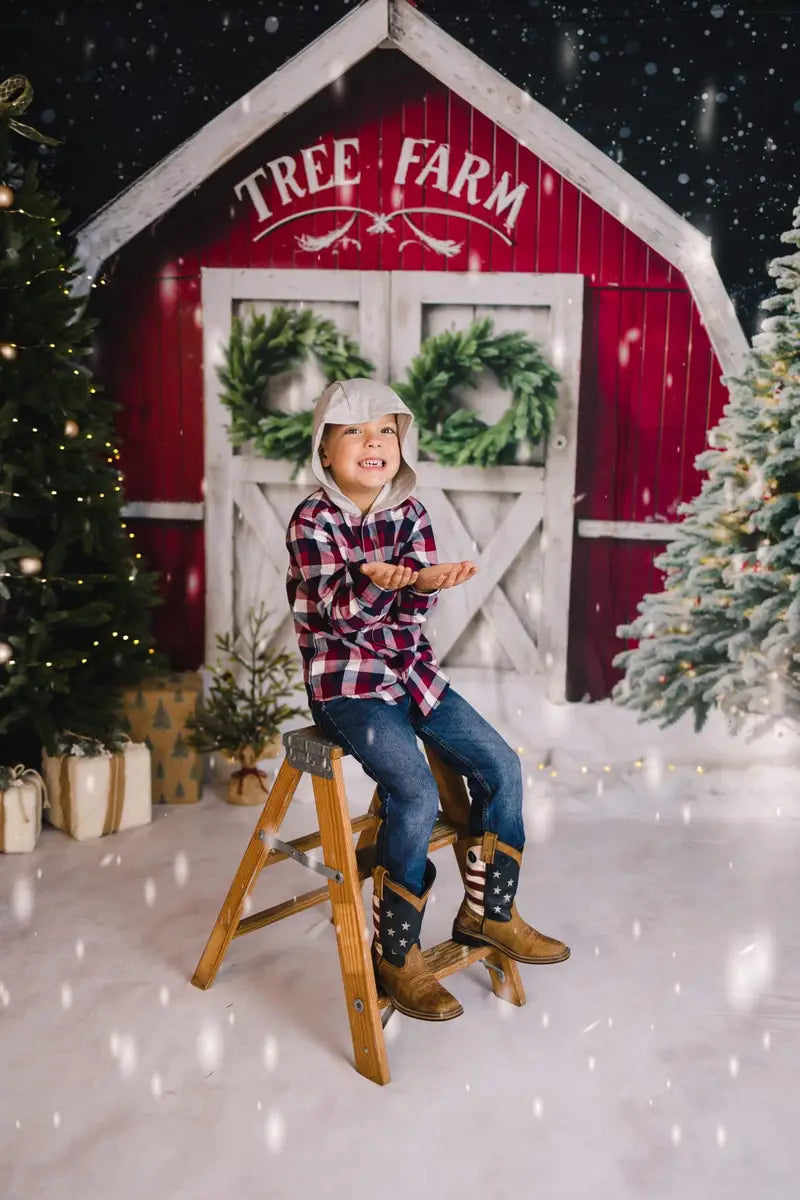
x: 363, y: 578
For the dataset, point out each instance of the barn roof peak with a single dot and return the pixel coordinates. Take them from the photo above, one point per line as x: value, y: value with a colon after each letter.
x: 396, y: 24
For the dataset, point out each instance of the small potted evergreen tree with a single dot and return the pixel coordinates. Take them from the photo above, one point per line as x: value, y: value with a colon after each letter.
x: 246, y: 706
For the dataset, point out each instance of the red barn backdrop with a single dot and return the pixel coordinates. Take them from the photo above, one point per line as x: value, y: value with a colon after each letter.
x: 388, y: 147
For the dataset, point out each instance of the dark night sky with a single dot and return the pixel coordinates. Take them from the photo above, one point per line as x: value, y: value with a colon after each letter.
x: 698, y: 99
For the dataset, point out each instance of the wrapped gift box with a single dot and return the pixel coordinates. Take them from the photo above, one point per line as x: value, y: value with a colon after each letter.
x: 98, y: 794
x: 21, y: 806
x: 155, y: 712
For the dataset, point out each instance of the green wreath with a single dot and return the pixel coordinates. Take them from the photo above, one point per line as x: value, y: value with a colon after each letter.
x: 449, y: 435
x: 457, y: 436
x: 264, y: 348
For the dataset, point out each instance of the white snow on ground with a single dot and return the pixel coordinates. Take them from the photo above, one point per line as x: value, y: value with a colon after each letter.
x: 659, y: 1062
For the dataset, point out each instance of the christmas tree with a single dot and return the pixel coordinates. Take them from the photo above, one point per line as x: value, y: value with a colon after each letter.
x: 725, y: 632
x: 74, y: 620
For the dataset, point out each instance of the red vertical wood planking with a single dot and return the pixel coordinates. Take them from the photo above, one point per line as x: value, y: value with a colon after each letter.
x: 174, y: 549
x: 481, y: 241
x: 611, y: 250
x: 413, y: 256
x: 170, y: 450
x: 634, y: 260
x: 549, y: 213
x: 432, y: 195
x: 659, y: 271
x: 505, y: 161
x: 649, y: 417
x: 568, y: 225
x: 190, y: 332
x: 673, y: 439
x: 460, y: 134
x: 629, y: 400
x: 653, y: 416
x: 366, y: 194
x: 389, y: 194
x: 526, y: 233
x: 696, y: 405
x: 604, y: 450
x: 589, y: 243
x: 149, y: 432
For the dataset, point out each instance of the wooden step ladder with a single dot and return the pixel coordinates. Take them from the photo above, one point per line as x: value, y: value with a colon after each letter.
x: 346, y: 867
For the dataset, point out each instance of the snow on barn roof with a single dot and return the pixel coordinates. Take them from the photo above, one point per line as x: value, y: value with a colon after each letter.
x: 395, y: 24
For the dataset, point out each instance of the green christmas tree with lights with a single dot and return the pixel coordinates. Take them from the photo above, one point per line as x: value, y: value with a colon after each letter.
x: 74, y: 598
x: 725, y: 632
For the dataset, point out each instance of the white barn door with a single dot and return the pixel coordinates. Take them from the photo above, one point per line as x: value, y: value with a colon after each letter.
x: 515, y: 521
x: 249, y: 499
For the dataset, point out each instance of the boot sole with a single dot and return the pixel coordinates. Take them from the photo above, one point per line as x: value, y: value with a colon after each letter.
x: 419, y: 1016
x: 471, y: 939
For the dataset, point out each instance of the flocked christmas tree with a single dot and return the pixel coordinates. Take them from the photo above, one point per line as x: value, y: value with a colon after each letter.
x: 725, y: 632
x: 74, y: 600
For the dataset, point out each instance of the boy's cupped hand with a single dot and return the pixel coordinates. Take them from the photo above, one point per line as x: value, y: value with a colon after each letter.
x: 444, y: 575
x: 389, y: 576
x: 427, y: 579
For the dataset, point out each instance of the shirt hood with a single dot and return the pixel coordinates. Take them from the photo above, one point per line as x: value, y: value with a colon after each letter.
x: 348, y: 401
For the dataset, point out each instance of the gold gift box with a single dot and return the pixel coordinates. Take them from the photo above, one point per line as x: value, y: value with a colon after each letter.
x: 155, y: 712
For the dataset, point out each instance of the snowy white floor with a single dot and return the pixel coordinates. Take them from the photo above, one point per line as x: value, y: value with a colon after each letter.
x: 661, y: 1061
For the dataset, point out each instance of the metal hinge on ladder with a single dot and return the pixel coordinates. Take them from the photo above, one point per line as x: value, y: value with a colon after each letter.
x: 307, y: 754
x: 305, y: 860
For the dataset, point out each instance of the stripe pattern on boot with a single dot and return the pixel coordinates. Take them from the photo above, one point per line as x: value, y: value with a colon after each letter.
x: 476, y: 882
x: 376, y: 921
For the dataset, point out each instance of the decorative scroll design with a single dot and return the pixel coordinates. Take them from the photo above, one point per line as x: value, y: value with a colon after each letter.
x: 381, y: 223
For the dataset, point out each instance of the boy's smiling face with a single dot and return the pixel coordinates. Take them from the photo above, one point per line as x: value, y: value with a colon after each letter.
x: 362, y: 457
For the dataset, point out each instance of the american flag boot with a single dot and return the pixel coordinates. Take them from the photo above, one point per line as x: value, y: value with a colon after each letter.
x: 488, y: 915
x: 399, y: 966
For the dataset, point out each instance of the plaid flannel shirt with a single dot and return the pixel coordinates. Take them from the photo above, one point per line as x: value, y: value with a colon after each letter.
x: 357, y: 639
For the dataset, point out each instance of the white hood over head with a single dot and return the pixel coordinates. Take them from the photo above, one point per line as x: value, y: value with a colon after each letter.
x: 352, y: 401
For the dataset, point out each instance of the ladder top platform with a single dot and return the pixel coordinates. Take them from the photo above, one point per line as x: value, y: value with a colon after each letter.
x: 308, y: 749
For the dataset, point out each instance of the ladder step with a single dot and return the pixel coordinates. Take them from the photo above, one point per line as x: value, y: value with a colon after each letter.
x: 444, y: 834
x: 445, y: 959
x: 268, y: 916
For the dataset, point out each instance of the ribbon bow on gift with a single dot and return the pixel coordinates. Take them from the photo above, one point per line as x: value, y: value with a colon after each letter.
x: 259, y: 774
x: 16, y: 94
x: 17, y: 777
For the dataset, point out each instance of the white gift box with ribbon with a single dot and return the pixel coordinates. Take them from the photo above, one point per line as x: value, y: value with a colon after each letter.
x: 21, y: 805
x: 91, y: 795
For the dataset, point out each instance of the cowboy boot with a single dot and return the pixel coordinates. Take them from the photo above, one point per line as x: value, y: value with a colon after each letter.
x: 399, y: 966
x: 488, y: 915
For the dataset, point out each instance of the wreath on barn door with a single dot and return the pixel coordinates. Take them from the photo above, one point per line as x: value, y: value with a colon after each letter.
x: 448, y: 434
x: 264, y: 348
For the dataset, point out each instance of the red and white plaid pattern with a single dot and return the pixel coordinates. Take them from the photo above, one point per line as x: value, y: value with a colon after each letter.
x: 355, y: 638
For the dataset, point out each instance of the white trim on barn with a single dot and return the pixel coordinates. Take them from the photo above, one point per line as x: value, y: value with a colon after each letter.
x: 163, y: 510
x: 396, y: 24
x: 178, y: 510
x: 629, y: 531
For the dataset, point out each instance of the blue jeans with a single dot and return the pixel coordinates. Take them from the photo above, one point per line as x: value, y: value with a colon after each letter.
x: 383, y: 738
